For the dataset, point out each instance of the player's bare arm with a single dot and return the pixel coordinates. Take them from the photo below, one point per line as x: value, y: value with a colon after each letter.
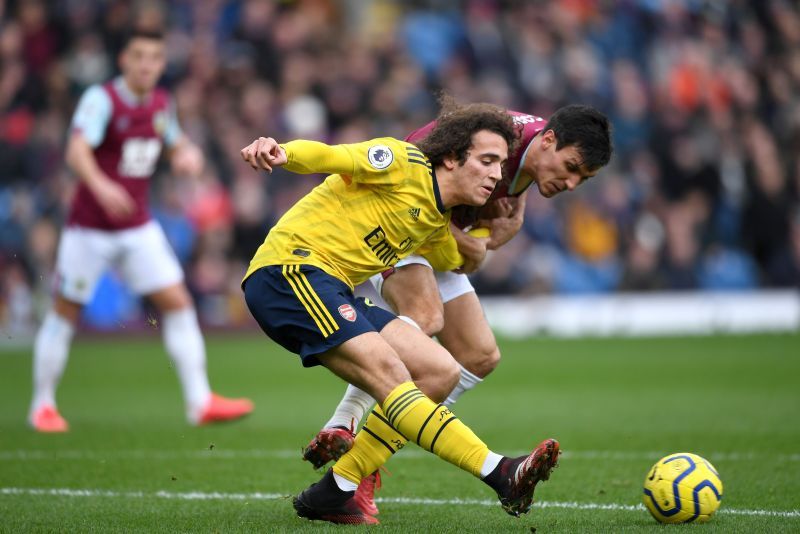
x: 113, y: 198
x: 473, y: 249
x: 264, y: 153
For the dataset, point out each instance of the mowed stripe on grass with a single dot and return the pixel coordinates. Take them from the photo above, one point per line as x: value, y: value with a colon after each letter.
x: 281, y: 454
x: 418, y: 501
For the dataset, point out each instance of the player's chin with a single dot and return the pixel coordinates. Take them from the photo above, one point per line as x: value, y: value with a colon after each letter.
x: 484, y: 194
x: 547, y: 192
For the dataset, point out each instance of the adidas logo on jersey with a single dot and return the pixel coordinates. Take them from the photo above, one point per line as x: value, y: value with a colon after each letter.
x: 414, y: 212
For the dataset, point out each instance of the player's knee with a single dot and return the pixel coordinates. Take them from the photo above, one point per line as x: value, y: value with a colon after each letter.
x: 447, y: 377
x: 173, y: 298
x: 453, y: 376
x: 430, y: 320
x: 439, y: 377
x: 485, y: 362
x: 68, y: 310
x: 395, y: 369
x: 380, y: 380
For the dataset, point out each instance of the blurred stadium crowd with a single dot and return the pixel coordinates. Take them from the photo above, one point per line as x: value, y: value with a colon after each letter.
x: 703, y: 191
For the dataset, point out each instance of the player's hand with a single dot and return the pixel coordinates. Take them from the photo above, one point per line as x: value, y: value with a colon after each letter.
x: 503, y: 229
x: 264, y: 153
x: 504, y: 219
x: 499, y: 207
x: 473, y: 249
x: 187, y: 160
x: 114, y: 199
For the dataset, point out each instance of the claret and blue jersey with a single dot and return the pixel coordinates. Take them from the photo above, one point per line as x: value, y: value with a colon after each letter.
x: 127, y: 134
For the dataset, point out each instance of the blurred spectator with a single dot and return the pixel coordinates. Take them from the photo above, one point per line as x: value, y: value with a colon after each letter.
x: 704, y: 190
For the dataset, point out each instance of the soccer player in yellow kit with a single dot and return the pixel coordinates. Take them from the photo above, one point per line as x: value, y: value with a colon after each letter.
x: 385, y: 199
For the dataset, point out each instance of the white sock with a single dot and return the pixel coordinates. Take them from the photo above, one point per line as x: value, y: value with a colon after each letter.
x: 351, y: 408
x: 466, y: 382
x: 490, y: 463
x: 50, y: 352
x: 343, y: 483
x: 185, y: 346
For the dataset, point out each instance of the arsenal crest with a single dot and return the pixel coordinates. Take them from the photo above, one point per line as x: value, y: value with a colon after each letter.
x: 347, y: 312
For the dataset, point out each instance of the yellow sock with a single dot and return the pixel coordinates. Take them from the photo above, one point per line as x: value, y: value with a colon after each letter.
x: 408, y: 412
x: 374, y: 445
x: 434, y: 427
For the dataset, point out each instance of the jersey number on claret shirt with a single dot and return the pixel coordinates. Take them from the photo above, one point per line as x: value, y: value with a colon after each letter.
x: 139, y: 156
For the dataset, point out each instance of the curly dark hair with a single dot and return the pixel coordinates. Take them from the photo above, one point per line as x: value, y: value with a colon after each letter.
x: 457, y: 123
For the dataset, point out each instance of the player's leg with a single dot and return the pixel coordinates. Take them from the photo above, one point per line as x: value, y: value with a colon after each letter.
x: 83, y: 255
x: 312, y: 314
x: 406, y: 413
x: 415, y: 278
x: 151, y: 269
x: 50, y: 354
x: 467, y: 336
x: 400, y: 288
x: 466, y: 333
x: 434, y: 372
x: 412, y: 291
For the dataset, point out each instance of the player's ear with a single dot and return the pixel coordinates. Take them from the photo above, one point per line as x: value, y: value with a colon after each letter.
x: 450, y: 162
x: 548, y: 139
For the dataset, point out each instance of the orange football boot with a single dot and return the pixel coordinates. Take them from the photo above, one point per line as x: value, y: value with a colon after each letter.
x: 221, y: 408
x: 47, y: 419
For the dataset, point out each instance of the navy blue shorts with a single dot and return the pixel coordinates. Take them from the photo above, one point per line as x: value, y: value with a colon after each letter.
x: 308, y: 311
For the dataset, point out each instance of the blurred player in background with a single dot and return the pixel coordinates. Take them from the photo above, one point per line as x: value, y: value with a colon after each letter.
x: 116, y: 138
x: 557, y: 155
x: 385, y: 200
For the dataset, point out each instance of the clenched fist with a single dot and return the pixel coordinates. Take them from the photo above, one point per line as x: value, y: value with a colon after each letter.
x: 264, y: 153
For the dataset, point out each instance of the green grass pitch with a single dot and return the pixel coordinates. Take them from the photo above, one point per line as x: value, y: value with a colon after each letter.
x: 130, y: 463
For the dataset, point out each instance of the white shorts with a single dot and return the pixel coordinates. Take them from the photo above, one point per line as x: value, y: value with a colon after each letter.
x: 142, y: 257
x: 451, y: 285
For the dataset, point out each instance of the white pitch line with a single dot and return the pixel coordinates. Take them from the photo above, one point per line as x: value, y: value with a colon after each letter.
x: 234, y: 454
x: 258, y: 496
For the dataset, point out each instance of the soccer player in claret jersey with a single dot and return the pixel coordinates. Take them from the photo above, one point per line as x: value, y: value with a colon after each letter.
x: 385, y: 200
x: 557, y: 155
x: 115, y: 141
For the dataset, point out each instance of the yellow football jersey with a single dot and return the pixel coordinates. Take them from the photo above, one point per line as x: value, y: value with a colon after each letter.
x: 380, y: 204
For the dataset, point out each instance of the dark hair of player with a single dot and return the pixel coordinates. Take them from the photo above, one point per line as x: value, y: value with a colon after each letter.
x: 139, y: 33
x: 585, y: 128
x: 457, y: 123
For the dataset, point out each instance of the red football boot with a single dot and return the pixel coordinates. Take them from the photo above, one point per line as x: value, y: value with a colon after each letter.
x: 47, y: 419
x: 365, y: 494
x: 329, y: 444
x: 324, y: 500
x: 514, y: 479
x: 221, y: 408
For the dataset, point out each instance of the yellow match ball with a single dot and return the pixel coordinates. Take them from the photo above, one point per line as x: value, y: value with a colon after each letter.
x: 480, y: 232
x: 681, y: 488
